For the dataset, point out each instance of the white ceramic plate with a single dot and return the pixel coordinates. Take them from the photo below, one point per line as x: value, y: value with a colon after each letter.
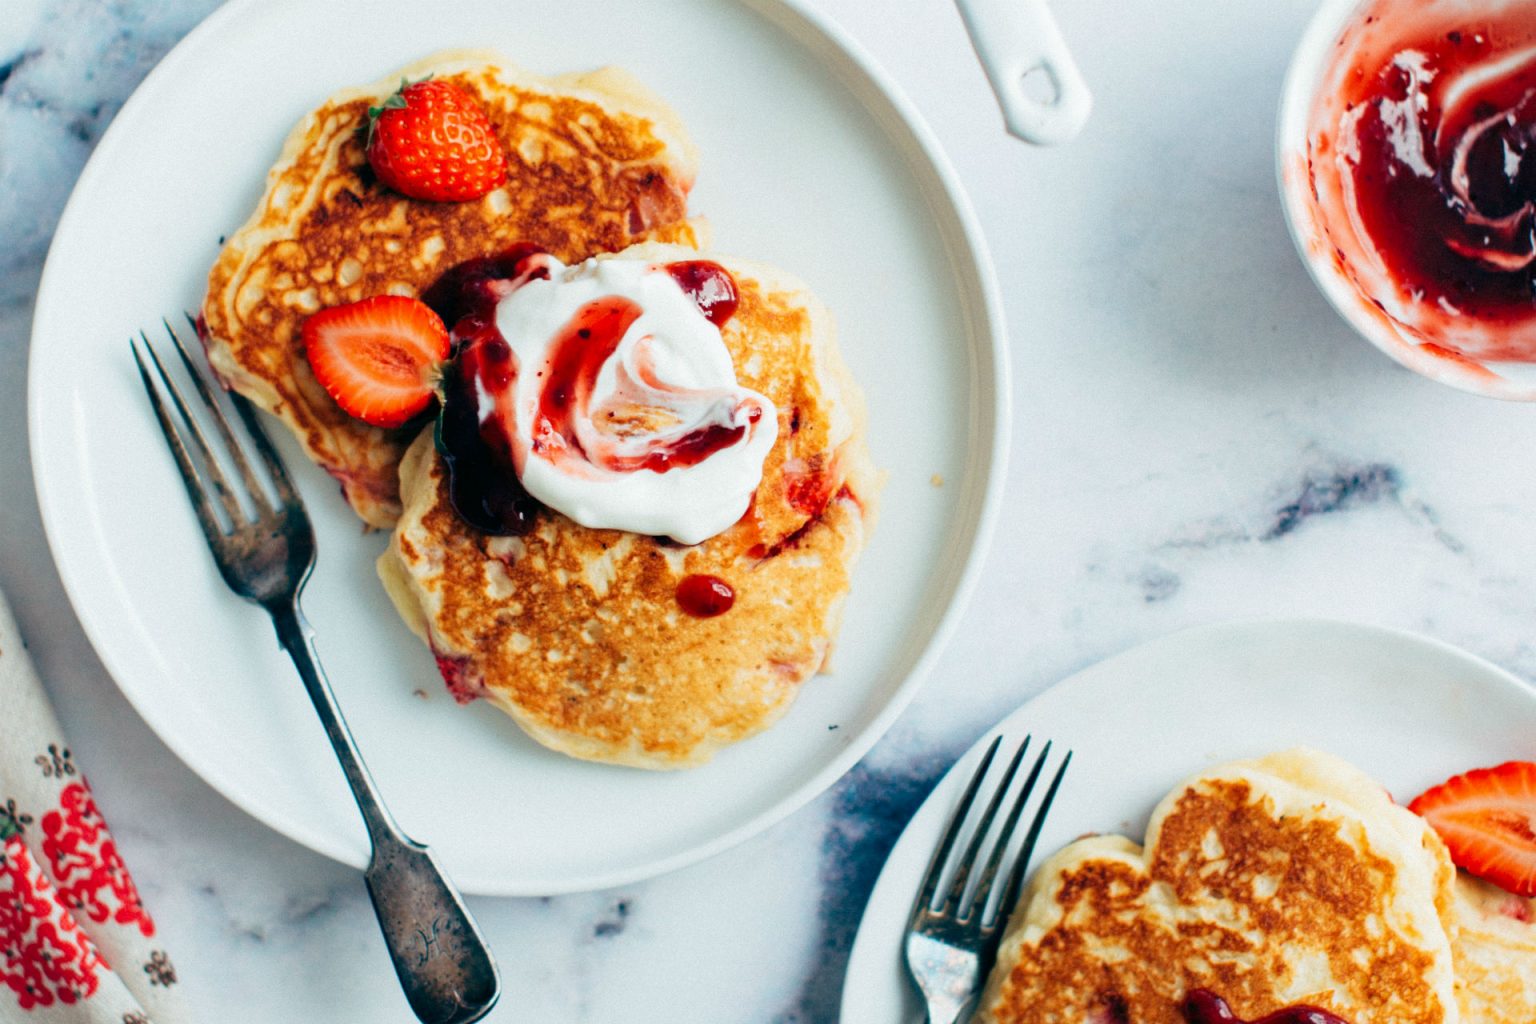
x: 811, y: 160
x: 1408, y: 710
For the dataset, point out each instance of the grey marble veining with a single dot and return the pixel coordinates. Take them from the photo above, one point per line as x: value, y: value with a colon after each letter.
x: 63, y: 75
x: 1197, y: 438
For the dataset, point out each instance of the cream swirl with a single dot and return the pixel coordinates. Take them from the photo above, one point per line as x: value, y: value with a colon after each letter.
x: 625, y: 412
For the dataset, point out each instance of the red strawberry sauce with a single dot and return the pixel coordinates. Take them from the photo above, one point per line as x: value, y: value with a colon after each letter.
x: 483, y: 484
x: 709, y: 285
x: 1205, y: 1007
x: 475, y: 286
x: 588, y: 342
x: 704, y: 597
x: 1443, y: 166
x: 453, y: 669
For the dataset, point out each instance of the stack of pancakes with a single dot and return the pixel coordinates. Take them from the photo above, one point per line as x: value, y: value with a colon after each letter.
x: 595, y: 163
x: 575, y: 632
x: 1290, y: 880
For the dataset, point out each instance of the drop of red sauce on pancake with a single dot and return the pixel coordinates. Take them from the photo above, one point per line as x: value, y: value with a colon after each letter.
x: 709, y: 285
x: 1447, y: 193
x: 1205, y: 1007
x: 704, y: 597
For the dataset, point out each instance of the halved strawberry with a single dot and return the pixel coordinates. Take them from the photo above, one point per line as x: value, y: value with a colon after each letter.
x: 1487, y: 818
x: 377, y: 358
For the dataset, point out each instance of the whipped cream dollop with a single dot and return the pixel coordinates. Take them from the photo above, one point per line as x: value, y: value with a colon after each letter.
x: 623, y: 410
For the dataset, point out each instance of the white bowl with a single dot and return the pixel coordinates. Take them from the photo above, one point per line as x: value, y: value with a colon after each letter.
x: 1323, y: 45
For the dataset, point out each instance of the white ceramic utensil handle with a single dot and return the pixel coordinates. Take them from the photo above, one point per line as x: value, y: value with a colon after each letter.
x: 1019, y: 38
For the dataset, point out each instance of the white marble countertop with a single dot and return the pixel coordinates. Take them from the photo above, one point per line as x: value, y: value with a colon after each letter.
x: 1197, y: 437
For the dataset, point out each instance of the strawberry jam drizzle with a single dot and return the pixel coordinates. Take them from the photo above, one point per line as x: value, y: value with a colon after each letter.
x: 578, y: 355
x: 693, y: 448
x: 763, y: 551
x: 704, y: 597
x: 483, y: 483
x: 1205, y: 1007
x: 709, y: 285
x: 482, y: 480
x: 475, y: 286
x: 810, y: 490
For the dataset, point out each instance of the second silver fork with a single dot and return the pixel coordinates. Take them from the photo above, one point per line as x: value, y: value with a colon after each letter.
x: 950, y: 948
x: 440, y: 957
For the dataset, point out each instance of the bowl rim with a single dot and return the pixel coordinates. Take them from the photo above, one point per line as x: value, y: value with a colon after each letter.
x: 1303, y: 76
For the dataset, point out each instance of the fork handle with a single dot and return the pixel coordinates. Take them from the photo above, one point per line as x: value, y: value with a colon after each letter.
x: 442, y: 960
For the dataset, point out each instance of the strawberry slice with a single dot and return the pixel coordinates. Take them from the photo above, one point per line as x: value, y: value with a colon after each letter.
x: 1487, y: 818
x: 377, y: 358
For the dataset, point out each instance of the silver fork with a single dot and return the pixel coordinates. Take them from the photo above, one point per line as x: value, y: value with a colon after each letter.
x: 442, y: 960
x: 950, y: 949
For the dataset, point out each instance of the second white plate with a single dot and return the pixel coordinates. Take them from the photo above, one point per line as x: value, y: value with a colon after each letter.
x: 810, y: 160
x: 1409, y: 710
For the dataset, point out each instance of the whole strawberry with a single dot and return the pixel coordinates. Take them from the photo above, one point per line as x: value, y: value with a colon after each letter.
x: 432, y: 140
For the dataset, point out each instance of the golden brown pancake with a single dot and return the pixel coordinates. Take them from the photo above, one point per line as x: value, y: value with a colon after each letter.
x: 1289, y: 880
x: 1493, y: 935
x: 595, y: 162
x: 577, y: 633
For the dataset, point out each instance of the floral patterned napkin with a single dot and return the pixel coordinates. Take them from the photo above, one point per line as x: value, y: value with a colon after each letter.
x: 76, y: 944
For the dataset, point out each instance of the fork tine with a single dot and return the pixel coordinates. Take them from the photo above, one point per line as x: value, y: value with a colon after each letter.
x: 978, y: 904
x: 1021, y: 866
x: 276, y: 471
x: 215, y: 473
x: 237, y: 454
x: 968, y: 859
x: 189, y: 474
x: 286, y: 492
x: 941, y: 855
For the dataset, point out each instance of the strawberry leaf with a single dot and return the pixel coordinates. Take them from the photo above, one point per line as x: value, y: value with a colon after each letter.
x: 395, y: 101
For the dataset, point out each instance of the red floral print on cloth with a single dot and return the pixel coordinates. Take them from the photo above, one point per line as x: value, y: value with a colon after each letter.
x: 68, y: 958
x: 23, y: 895
x: 92, y: 879
x: 44, y: 956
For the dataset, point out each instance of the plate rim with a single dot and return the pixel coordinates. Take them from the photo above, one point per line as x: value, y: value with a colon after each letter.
x: 971, y: 263
x: 867, y: 949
